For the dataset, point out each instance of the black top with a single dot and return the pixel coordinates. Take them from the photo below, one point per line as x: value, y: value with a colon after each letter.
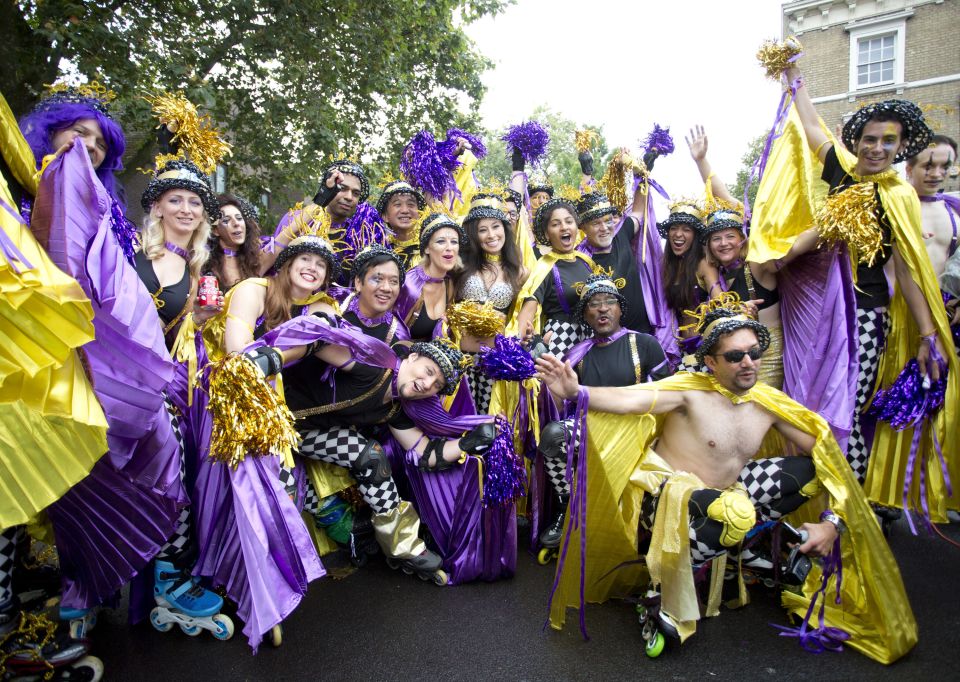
x: 423, y: 326
x: 872, y: 288
x: 631, y: 359
x: 571, y: 273
x: 624, y: 263
x: 355, y: 400
x: 739, y: 285
x: 172, y: 298
x: 384, y: 332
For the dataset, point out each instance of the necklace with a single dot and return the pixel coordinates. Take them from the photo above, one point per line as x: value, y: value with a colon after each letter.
x: 180, y: 251
x: 492, y: 257
x: 229, y: 253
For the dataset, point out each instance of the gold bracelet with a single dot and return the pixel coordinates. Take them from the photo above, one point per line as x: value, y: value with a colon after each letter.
x: 932, y: 332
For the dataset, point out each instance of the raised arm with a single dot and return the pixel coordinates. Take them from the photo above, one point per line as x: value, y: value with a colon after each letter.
x: 561, y: 380
x: 697, y: 142
x: 816, y: 138
x: 920, y: 310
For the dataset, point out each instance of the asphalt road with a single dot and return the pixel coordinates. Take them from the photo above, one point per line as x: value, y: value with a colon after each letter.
x: 378, y: 624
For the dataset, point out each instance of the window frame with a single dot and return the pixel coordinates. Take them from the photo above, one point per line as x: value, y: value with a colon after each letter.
x: 898, y: 29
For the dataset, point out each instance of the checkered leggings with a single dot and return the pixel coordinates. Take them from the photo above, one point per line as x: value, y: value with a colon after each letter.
x: 9, y: 538
x: 871, y: 331
x: 342, y: 447
x: 480, y: 388
x: 311, y: 500
x: 179, y: 544
x: 566, y: 335
x: 773, y: 486
x: 556, y: 466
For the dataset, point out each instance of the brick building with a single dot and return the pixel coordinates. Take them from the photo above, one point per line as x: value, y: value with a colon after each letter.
x: 862, y: 51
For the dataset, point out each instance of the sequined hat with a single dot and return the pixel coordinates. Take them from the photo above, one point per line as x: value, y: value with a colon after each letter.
x: 486, y: 205
x: 371, y: 251
x: 352, y: 168
x: 722, y: 321
x: 434, y: 222
x: 180, y: 174
x: 92, y: 94
x: 599, y: 284
x: 684, y: 211
x: 311, y: 243
x: 721, y: 219
x: 539, y: 222
x: 392, y: 189
x: 449, y: 359
x: 916, y: 134
x: 594, y: 205
x: 539, y: 183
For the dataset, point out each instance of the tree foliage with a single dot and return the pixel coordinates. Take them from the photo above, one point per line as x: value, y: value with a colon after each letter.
x: 754, y: 149
x: 291, y: 82
x: 562, y: 165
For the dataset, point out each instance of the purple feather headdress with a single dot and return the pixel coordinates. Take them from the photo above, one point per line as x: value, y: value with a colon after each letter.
x: 531, y: 138
x: 659, y: 140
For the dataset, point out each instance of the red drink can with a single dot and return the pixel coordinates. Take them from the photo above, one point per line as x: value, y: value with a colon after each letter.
x: 208, y: 291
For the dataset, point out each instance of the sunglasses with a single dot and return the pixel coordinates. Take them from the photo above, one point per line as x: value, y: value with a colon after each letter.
x: 735, y: 356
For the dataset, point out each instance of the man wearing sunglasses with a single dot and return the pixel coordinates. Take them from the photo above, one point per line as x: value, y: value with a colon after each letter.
x: 613, y: 356
x: 691, y: 480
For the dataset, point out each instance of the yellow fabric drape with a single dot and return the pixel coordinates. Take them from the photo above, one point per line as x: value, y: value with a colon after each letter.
x: 786, y: 204
x: 466, y: 183
x: 52, y: 428
x: 874, y: 608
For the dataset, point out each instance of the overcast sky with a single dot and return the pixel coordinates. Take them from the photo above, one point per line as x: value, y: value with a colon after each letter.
x: 627, y: 65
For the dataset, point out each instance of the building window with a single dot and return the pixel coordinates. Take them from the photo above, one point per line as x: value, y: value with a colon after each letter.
x: 875, y: 60
x: 877, y: 52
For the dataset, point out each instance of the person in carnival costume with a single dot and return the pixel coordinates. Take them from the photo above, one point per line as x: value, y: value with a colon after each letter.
x: 137, y: 491
x: 695, y: 489
x: 401, y: 206
x: 613, y: 356
x: 940, y: 212
x: 492, y: 274
x: 429, y: 286
x: 378, y: 279
x: 878, y: 216
x: 52, y: 427
x: 234, y: 243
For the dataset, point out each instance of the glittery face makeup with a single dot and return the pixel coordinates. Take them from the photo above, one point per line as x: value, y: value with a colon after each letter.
x: 928, y: 169
x: 878, y: 145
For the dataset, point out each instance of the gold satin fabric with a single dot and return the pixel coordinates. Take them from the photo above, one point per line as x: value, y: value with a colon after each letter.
x: 398, y: 530
x: 874, y: 608
x: 771, y: 367
x: 52, y: 428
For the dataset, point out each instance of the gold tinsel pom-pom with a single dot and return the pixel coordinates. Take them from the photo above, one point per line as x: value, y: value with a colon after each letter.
x: 198, y: 138
x: 728, y: 299
x: 583, y: 140
x: 481, y: 320
x: 248, y: 415
x: 614, y: 180
x: 775, y: 57
x: 850, y: 216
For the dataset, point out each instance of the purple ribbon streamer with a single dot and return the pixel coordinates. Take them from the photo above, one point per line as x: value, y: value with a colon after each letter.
x: 8, y: 248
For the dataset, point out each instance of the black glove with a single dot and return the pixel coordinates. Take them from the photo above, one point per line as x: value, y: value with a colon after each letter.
x: 326, y: 194
x: 586, y: 163
x: 536, y: 347
x: 165, y: 140
x: 518, y: 162
x: 649, y: 158
x: 268, y: 360
x: 479, y: 439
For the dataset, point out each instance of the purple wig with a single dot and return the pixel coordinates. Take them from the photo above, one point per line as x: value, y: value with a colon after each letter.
x: 40, y: 126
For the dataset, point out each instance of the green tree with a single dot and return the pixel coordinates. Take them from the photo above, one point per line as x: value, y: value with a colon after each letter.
x: 754, y: 150
x: 561, y: 165
x: 289, y: 81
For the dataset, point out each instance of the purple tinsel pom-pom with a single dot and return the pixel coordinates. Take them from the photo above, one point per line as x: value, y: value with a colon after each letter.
x: 906, y: 402
x: 659, y: 140
x: 479, y: 149
x: 531, y: 138
x: 425, y: 167
x: 124, y: 230
x: 504, y: 475
x: 508, y: 360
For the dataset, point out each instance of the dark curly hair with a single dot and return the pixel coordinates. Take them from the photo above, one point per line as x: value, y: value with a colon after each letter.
x: 248, y: 255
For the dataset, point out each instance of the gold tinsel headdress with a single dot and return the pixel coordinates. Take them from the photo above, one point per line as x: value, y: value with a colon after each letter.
x: 195, y: 135
x: 92, y: 94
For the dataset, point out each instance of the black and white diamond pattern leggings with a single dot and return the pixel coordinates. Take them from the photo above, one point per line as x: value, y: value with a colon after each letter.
x: 342, y: 447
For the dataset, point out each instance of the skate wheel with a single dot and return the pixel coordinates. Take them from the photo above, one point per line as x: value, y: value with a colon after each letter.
x: 544, y: 556
x: 156, y: 622
x: 224, y: 625
x: 87, y: 669
x: 77, y: 629
x: 406, y: 569
x: 191, y: 630
x: 769, y: 583
x: 393, y: 563
x: 655, y: 645
x: 276, y: 635
x: 440, y: 578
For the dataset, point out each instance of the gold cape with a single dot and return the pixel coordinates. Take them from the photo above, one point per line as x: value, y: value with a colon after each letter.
x: 874, y: 609
x: 786, y: 205
x: 52, y: 428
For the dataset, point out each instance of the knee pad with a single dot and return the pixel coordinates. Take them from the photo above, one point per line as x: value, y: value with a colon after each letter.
x: 372, y: 466
x: 553, y: 439
x: 735, y: 511
x: 804, y: 473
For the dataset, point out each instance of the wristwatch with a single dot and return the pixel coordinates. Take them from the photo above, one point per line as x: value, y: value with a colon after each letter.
x: 833, y: 518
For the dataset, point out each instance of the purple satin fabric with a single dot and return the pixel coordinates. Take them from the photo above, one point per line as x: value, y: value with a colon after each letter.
x: 114, y: 521
x: 818, y: 310
x: 577, y: 353
x: 410, y: 292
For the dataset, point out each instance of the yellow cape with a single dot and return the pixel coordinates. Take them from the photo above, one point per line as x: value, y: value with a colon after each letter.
x: 52, y: 428
x: 874, y: 609
x: 786, y: 205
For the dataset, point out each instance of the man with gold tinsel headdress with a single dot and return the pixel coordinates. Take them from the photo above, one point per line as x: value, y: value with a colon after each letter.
x: 695, y: 490
x: 875, y: 216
